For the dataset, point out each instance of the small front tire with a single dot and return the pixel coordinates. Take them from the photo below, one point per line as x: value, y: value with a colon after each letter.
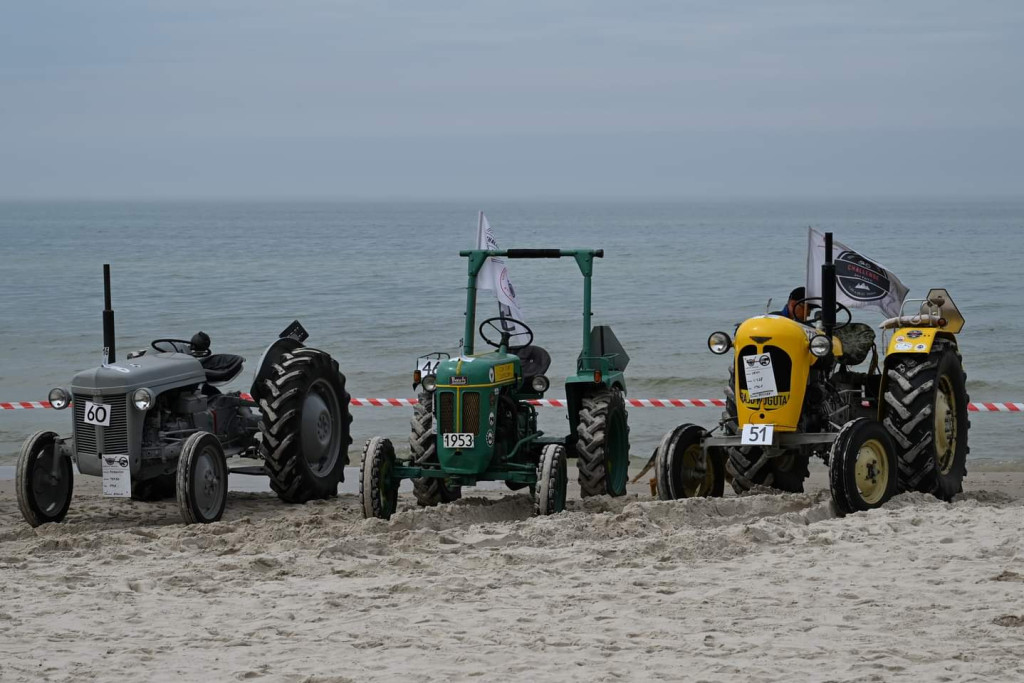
x: 202, y: 479
x: 863, y: 466
x: 378, y: 489
x: 552, y: 476
x: 684, y: 469
x: 43, y: 497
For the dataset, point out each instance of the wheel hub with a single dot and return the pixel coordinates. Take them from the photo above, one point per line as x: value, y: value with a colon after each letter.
x: 871, y: 472
x: 319, y: 433
x: 945, y: 426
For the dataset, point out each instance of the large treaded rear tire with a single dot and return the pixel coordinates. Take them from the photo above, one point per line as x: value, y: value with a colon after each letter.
x: 429, y: 491
x: 749, y: 466
x: 921, y: 392
x: 602, y: 446
x: 302, y: 379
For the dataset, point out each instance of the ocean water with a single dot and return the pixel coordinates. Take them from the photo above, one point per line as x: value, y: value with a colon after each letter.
x: 377, y: 284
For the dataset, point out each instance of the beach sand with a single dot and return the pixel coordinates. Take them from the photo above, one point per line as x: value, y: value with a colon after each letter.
x: 759, y: 588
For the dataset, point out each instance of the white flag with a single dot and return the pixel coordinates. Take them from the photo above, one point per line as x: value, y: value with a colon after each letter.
x: 493, y: 276
x: 860, y: 282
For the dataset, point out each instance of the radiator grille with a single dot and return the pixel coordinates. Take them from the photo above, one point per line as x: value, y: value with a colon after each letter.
x: 447, y: 404
x: 115, y: 437
x: 471, y: 412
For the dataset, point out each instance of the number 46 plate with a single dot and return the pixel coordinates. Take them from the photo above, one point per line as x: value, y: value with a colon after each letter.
x: 757, y: 435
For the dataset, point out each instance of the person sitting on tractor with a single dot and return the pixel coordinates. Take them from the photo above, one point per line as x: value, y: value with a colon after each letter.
x: 794, y: 309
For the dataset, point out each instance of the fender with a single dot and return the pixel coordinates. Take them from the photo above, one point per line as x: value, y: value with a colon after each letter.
x: 289, y: 340
x: 915, y: 340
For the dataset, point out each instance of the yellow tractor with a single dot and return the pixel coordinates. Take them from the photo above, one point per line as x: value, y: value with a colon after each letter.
x: 793, y: 394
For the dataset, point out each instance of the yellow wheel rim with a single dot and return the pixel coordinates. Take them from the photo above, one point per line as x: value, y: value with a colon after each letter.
x: 871, y: 471
x: 945, y: 425
x: 698, y: 472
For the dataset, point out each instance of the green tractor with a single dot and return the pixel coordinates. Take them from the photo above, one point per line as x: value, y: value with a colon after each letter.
x: 478, y: 418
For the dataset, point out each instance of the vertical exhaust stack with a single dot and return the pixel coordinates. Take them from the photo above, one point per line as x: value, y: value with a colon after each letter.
x: 828, y: 288
x: 108, y: 318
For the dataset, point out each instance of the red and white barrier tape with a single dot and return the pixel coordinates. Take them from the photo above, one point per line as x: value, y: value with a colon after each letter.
x: 561, y: 403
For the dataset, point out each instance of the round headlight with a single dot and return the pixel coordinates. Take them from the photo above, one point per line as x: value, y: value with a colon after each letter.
x: 143, y: 399
x: 58, y: 398
x: 719, y: 343
x: 821, y: 345
x: 540, y: 384
x: 429, y: 383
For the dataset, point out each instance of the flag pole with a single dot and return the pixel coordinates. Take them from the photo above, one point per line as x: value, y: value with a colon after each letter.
x: 828, y: 288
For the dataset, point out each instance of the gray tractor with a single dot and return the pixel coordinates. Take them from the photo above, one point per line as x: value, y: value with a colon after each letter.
x: 156, y: 426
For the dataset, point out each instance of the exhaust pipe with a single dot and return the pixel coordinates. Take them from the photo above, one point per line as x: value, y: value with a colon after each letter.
x: 108, y: 318
x: 828, y: 289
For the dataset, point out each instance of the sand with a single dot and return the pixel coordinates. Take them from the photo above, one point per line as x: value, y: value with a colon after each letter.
x: 758, y: 588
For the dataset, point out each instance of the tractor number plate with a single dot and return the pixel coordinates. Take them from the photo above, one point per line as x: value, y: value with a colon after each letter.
x: 760, y: 376
x: 757, y: 435
x: 427, y: 366
x: 458, y: 440
x: 96, y: 414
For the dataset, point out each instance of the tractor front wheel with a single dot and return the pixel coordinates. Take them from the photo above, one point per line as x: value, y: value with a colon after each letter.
x: 44, y: 486
x: 378, y: 489
x: 305, y: 425
x: 684, y: 469
x: 202, y: 481
x: 925, y: 412
x: 602, y: 444
x: 429, y: 491
x: 862, y: 469
x: 552, y: 476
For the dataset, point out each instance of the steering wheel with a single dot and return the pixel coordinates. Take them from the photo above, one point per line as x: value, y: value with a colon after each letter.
x: 506, y: 336
x: 177, y: 346
x: 840, y: 308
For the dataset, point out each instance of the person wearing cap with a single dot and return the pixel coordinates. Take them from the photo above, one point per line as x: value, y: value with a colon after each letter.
x: 794, y: 310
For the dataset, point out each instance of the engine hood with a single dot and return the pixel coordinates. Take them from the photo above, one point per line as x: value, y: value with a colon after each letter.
x: 153, y: 370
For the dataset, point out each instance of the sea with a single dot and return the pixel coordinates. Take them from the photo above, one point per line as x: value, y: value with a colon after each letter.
x: 378, y: 284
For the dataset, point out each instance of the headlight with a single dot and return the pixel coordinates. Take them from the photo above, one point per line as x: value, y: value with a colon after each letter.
x: 540, y: 384
x: 719, y: 343
x: 58, y: 398
x: 821, y: 345
x: 143, y: 399
x: 429, y: 383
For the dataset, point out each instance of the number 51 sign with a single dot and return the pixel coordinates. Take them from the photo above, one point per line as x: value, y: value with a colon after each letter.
x: 757, y: 435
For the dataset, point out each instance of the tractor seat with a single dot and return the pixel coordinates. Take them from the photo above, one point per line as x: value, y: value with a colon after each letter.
x: 221, y: 367
x: 534, y: 360
x: 857, y: 339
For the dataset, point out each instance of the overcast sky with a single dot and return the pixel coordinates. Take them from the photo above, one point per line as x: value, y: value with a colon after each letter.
x: 477, y: 99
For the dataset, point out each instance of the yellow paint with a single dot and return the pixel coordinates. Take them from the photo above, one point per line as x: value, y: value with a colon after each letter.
x: 503, y: 373
x: 782, y: 410
x: 919, y: 344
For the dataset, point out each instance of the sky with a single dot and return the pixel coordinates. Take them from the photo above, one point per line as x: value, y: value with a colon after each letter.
x: 328, y: 99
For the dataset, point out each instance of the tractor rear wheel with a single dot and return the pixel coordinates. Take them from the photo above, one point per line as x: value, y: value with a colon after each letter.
x: 202, y: 479
x: 684, y: 469
x: 43, y: 496
x: 748, y: 466
x: 552, y: 476
x: 305, y: 425
x: 602, y: 444
x: 429, y: 491
x: 862, y: 468
x: 378, y: 489
x: 925, y: 412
